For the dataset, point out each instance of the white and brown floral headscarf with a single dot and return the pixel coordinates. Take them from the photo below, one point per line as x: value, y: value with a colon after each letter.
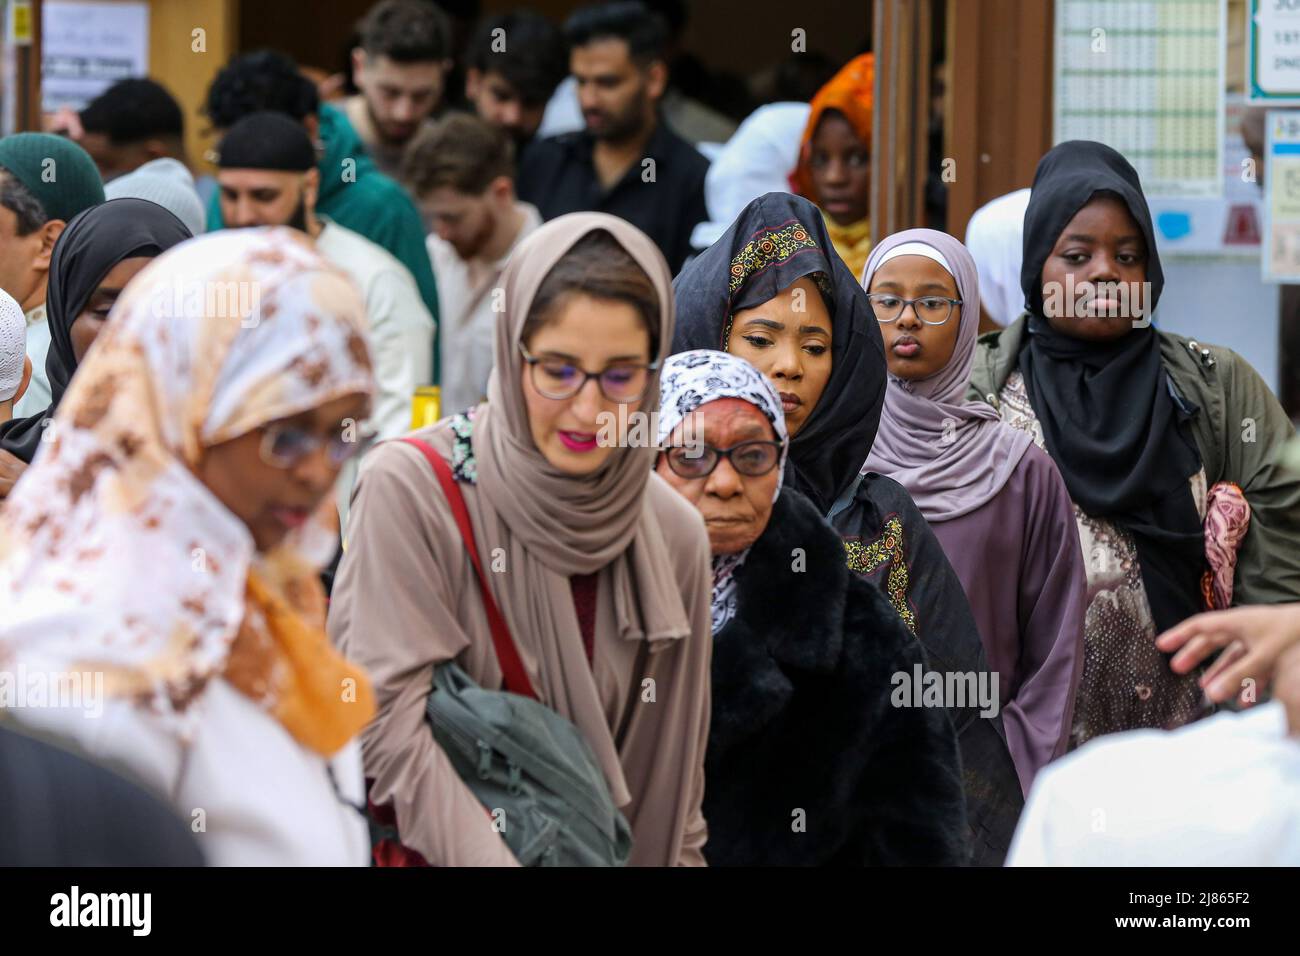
x: 115, y: 558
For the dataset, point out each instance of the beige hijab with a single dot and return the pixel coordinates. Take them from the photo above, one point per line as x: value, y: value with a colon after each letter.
x: 564, y: 524
x: 554, y: 525
x: 406, y: 599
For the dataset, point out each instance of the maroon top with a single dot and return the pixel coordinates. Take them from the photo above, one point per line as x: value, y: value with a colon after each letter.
x: 584, y: 602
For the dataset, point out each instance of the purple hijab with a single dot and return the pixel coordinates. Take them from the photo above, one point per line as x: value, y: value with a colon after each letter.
x: 952, y: 455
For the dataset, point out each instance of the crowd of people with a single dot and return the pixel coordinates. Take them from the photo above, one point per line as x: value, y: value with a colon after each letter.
x: 734, y: 541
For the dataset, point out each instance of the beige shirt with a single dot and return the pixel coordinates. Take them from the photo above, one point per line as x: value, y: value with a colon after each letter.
x: 406, y: 598
x: 469, y: 315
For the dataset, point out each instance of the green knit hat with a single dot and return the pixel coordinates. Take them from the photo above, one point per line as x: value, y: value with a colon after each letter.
x: 58, y: 172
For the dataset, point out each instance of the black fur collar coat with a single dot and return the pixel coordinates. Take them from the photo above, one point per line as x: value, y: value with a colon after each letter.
x: 808, y: 763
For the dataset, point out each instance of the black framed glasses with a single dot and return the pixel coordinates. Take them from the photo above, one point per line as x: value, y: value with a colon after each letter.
x: 557, y: 379
x: 930, y: 309
x: 284, y: 446
x: 750, y: 458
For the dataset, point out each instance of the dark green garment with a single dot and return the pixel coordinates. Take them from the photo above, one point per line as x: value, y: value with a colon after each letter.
x: 1240, y: 430
x: 357, y: 196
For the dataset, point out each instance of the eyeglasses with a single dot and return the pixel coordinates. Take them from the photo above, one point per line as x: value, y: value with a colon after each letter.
x: 930, y: 309
x: 556, y: 379
x: 284, y: 446
x: 750, y: 458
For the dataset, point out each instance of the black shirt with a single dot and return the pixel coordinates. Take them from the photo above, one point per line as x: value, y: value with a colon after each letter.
x: 557, y: 176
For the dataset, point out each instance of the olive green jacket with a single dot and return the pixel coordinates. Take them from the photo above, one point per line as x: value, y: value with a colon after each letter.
x: 1240, y: 431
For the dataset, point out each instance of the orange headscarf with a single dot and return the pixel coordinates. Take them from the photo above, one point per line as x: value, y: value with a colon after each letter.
x: 850, y: 92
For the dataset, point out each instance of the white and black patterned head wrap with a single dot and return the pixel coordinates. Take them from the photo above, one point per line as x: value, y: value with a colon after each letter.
x: 695, y: 378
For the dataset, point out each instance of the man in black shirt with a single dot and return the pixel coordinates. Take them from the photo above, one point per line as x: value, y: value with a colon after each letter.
x: 627, y: 161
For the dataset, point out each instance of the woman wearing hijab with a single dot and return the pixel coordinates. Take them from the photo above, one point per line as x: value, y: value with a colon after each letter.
x: 197, y: 447
x: 773, y: 291
x: 809, y: 761
x: 1169, y: 448
x: 603, y: 570
x: 101, y: 249
x: 995, y: 501
x: 834, y: 168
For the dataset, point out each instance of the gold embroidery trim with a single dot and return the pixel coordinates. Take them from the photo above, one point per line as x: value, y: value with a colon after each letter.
x: 759, y: 253
x: 866, y: 557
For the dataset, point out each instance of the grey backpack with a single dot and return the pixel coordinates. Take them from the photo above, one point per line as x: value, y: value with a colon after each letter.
x: 529, y: 766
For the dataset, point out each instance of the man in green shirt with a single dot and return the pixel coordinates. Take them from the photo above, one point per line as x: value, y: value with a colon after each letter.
x: 353, y: 193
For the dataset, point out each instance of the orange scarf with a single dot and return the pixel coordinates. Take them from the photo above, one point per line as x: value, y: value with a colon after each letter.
x: 289, y: 667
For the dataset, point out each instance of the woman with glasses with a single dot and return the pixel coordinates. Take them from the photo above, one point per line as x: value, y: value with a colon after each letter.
x: 159, y: 558
x: 809, y: 762
x: 773, y: 291
x: 95, y: 256
x: 600, y: 570
x: 995, y: 501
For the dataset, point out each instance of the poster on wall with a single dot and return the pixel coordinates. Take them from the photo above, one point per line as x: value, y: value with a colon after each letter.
x: 1147, y: 79
x: 1230, y: 226
x: 86, y: 47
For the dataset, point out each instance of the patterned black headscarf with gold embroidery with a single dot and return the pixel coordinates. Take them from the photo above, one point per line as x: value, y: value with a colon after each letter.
x: 778, y: 239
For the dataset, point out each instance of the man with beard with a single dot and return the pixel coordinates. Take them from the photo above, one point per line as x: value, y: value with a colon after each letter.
x: 267, y: 176
x: 352, y: 192
x: 514, y: 63
x: 400, y: 69
x: 627, y: 161
x: 462, y: 171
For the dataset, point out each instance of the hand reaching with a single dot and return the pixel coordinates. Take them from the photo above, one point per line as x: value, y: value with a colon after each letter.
x: 1253, y: 639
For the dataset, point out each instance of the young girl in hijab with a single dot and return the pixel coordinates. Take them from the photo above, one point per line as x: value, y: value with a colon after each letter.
x: 834, y: 168
x: 159, y: 559
x: 995, y: 501
x: 773, y: 291
x: 1169, y: 448
x: 95, y: 256
x: 603, y: 570
x: 805, y: 655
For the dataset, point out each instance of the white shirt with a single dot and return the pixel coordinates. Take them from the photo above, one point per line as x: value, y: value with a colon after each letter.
x: 469, y: 315
x: 1224, y: 791
x: 995, y: 238
x: 37, y: 398
x: 401, y: 328
x: 757, y: 160
x: 250, y: 793
x: 401, y: 334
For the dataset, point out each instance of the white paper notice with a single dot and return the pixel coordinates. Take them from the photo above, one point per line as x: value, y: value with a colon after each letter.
x: 1281, y: 259
x: 1148, y: 79
x: 1273, y: 52
x: 86, y: 47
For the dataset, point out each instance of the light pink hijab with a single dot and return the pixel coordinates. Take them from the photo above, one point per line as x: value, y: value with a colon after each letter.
x: 951, y: 454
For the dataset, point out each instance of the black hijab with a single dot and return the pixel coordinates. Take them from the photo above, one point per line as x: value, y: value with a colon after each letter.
x: 94, y: 241
x: 778, y: 239
x: 1109, y: 418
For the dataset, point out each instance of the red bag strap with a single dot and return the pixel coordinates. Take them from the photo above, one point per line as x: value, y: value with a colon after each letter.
x: 512, y: 668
